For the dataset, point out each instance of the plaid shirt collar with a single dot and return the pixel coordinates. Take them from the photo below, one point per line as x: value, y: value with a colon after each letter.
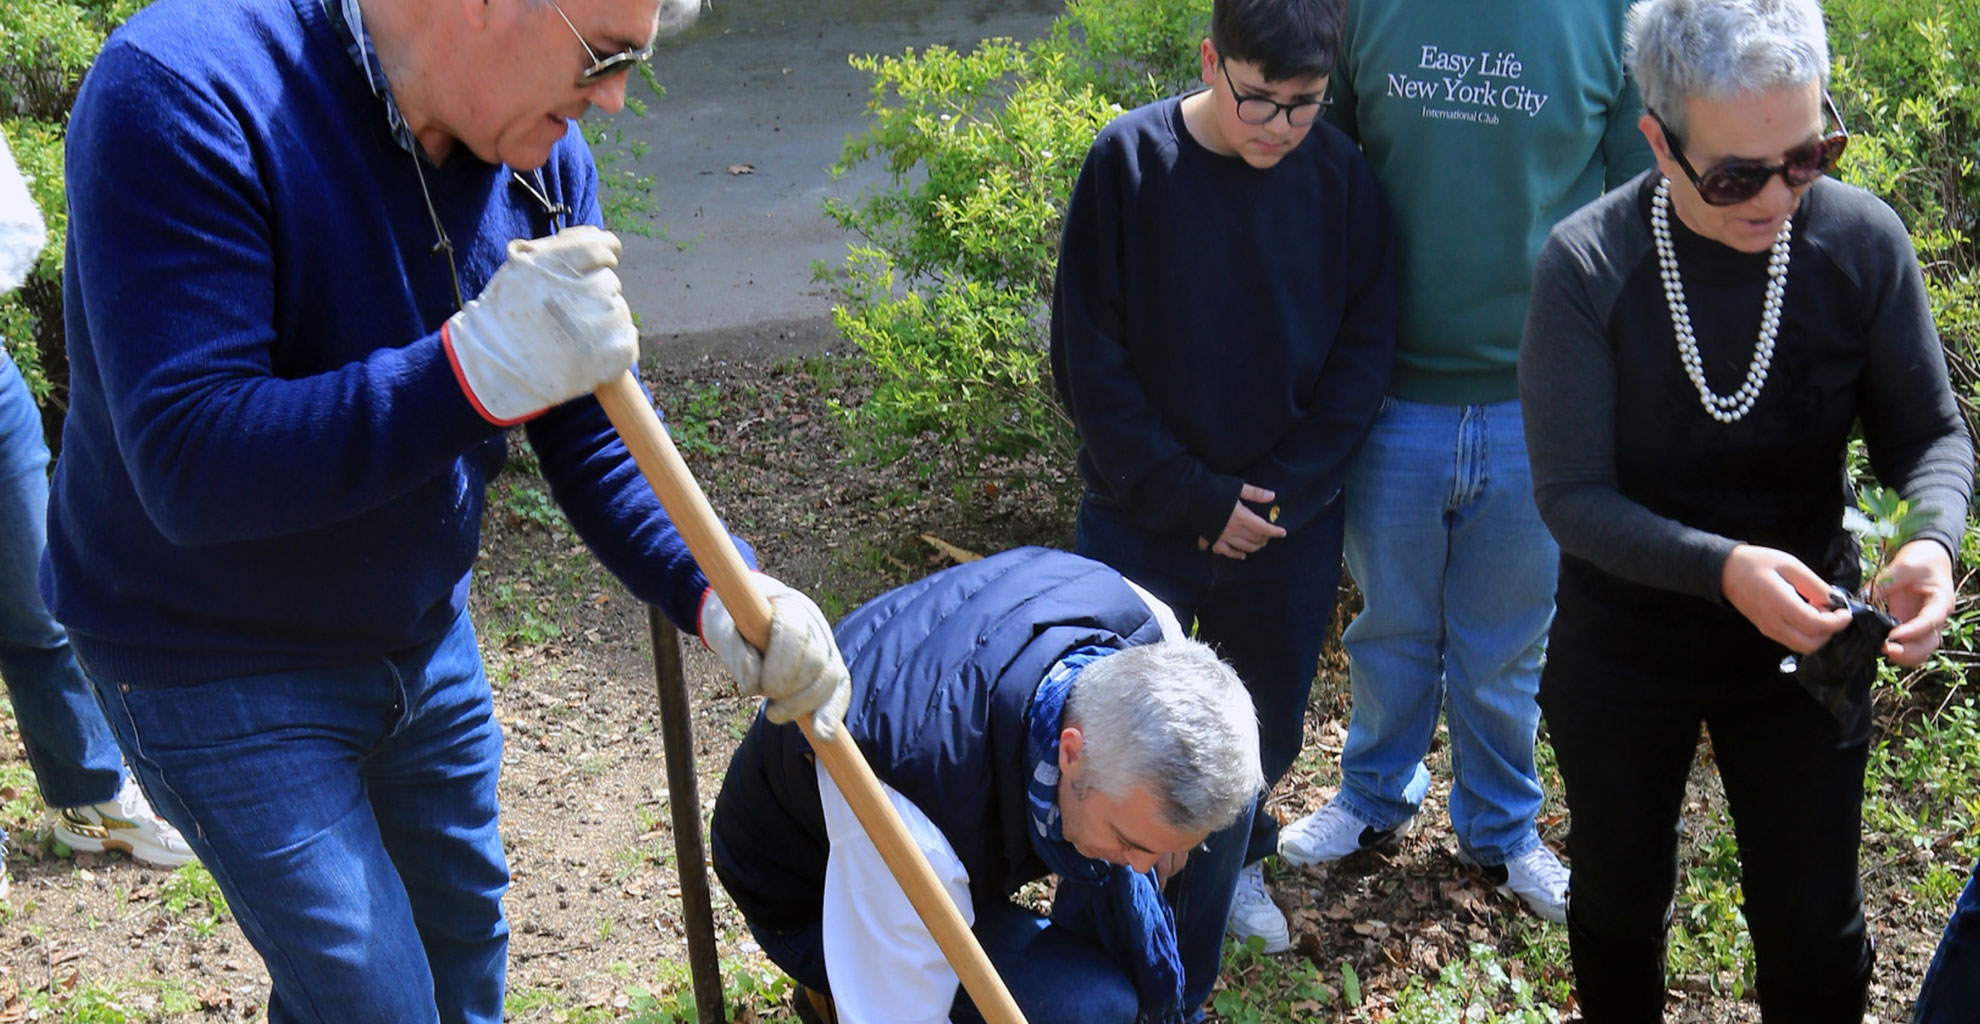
x: 349, y: 21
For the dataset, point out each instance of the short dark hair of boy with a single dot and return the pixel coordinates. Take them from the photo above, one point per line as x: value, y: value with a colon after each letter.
x: 1286, y: 39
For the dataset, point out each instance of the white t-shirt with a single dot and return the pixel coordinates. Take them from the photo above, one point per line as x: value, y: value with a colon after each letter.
x: 21, y: 231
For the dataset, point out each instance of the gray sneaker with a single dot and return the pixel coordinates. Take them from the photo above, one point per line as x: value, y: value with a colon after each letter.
x: 1254, y: 913
x: 127, y: 824
x: 1328, y: 834
x: 1537, y: 877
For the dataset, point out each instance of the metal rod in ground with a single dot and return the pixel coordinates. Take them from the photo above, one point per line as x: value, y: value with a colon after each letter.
x: 684, y: 796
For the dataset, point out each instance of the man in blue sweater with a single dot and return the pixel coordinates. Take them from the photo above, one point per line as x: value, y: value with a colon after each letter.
x: 1223, y: 329
x: 284, y: 415
x: 1031, y: 713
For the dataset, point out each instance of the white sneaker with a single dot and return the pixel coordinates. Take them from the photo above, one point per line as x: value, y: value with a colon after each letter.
x: 1254, y: 914
x: 1328, y: 834
x: 1537, y: 877
x: 127, y: 824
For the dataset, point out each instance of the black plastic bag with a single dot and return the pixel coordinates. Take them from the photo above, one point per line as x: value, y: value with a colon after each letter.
x: 1839, y: 673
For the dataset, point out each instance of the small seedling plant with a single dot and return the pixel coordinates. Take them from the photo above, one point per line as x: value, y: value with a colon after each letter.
x: 1883, y: 524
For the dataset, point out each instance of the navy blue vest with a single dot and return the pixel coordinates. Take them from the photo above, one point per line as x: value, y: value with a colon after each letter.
x: 942, y: 670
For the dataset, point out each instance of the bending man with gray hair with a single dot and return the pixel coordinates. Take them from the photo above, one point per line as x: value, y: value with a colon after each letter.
x: 1030, y: 714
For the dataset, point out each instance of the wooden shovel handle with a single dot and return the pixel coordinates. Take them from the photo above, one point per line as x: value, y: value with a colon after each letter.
x: 653, y: 451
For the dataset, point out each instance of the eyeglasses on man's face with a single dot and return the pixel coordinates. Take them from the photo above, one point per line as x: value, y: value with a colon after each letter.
x: 1263, y: 110
x: 1736, y: 181
x: 602, y: 68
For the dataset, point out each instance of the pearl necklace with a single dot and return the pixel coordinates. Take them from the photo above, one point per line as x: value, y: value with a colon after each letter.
x: 1724, y: 408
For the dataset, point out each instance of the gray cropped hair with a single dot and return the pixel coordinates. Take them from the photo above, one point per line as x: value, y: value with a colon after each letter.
x: 1718, y: 49
x: 1173, y: 717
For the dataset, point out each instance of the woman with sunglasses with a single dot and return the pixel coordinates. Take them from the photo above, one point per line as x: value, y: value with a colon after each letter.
x: 1700, y: 345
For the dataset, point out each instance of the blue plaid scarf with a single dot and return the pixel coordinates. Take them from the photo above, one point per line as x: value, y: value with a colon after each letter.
x: 1121, y: 908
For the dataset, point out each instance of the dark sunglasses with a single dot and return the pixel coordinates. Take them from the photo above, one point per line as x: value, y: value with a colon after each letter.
x: 1262, y: 110
x: 603, y: 68
x: 1736, y: 181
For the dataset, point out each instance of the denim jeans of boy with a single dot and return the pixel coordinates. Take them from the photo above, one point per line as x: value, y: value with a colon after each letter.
x: 1457, y: 575
x: 1054, y: 975
x: 348, y: 815
x: 74, y: 756
x: 1267, y: 615
x: 1951, y: 994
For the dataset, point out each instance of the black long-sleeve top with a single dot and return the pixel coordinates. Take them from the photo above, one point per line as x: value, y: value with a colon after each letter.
x: 1215, y: 325
x: 1646, y: 493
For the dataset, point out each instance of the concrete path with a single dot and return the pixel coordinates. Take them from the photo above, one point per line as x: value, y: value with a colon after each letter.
x: 766, y: 83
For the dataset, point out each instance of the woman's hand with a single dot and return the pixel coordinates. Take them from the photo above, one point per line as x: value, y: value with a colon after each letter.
x: 1917, y: 588
x: 1783, y: 598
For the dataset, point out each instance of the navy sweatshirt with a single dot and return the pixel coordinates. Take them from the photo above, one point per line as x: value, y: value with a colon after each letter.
x: 1215, y: 325
x: 267, y: 462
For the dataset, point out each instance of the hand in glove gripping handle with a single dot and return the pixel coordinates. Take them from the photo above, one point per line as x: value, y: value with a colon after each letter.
x: 800, y: 673
x: 549, y: 327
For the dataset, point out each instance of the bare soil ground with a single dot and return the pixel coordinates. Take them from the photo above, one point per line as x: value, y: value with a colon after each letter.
x: 595, y: 905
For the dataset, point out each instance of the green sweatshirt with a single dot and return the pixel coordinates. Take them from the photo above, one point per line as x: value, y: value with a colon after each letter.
x: 1486, y: 122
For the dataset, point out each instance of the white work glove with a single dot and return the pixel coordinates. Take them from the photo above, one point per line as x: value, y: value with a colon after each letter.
x: 549, y: 327
x: 801, y: 673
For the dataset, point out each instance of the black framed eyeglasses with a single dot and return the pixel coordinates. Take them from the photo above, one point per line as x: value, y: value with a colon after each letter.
x: 1736, y: 181
x: 602, y: 68
x: 1261, y: 110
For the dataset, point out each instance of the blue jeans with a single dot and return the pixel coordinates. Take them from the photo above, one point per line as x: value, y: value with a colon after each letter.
x: 1267, y: 615
x: 1457, y: 572
x: 74, y: 757
x: 1951, y: 994
x: 1054, y: 975
x: 348, y: 815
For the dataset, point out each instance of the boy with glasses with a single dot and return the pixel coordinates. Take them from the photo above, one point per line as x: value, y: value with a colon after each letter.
x: 1222, y: 332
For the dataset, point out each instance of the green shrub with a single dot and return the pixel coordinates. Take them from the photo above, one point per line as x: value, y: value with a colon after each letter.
x: 948, y: 290
x: 1908, y: 80
x: 1133, y: 52
x: 45, y: 47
